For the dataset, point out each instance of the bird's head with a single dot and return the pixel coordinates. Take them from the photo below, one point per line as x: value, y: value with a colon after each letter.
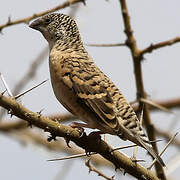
x: 57, y: 27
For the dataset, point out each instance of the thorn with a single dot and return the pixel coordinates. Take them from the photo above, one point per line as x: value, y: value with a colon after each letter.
x: 134, y: 155
x: 124, y: 147
x: 21, y: 94
x: 40, y: 113
x: 68, y: 157
x: 10, y: 112
x: 9, y: 20
x: 141, y: 115
x: 5, y: 85
x: 3, y: 92
x: 137, y: 160
x: 51, y: 137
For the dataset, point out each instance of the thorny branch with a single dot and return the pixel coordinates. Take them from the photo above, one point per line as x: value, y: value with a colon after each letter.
x: 86, y: 142
x: 144, y: 51
x: 170, y: 103
x: 137, y: 57
x: 27, y: 19
x: 136, y: 53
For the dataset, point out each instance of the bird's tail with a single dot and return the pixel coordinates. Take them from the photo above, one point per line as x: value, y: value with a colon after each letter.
x: 149, y: 148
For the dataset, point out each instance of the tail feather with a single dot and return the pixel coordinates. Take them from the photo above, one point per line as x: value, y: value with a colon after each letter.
x: 149, y: 148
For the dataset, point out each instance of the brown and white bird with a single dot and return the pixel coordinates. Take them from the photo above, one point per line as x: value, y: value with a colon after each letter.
x: 82, y: 88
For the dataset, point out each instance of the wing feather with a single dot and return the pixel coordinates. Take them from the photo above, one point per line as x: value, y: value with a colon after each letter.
x: 91, y: 90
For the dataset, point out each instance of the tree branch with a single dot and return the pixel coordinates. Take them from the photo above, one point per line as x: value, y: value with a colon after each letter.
x: 27, y: 19
x: 136, y: 55
x: 86, y: 142
x: 106, y: 45
x: 159, y: 45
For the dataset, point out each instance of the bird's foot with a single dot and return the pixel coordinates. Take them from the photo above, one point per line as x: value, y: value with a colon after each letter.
x: 78, y: 126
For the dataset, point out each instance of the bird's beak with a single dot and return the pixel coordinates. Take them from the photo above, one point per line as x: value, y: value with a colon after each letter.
x: 36, y: 25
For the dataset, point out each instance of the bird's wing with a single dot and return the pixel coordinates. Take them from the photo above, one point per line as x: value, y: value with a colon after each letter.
x: 94, y: 89
x: 91, y: 88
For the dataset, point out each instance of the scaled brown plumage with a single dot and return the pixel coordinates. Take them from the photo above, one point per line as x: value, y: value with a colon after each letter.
x: 83, y: 88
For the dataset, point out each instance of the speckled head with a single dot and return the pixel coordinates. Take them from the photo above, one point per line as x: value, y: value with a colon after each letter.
x: 57, y: 27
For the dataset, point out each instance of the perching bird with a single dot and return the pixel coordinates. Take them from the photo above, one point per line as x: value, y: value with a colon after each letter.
x: 82, y: 88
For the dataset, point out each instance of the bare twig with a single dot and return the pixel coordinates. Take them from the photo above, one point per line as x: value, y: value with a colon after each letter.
x: 106, y: 45
x: 159, y: 45
x: 27, y: 19
x: 169, y: 104
x: 152, y: 103
x: 5, y: 85
x: 91, y: 168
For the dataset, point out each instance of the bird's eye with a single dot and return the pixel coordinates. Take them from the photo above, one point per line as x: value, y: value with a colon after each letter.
x: 47, y: 21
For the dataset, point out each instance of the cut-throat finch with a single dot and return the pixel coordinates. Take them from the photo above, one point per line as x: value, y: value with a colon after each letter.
x: 82, y: 88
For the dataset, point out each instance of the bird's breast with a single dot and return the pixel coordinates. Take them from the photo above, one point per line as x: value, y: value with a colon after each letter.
x: 62, y: 86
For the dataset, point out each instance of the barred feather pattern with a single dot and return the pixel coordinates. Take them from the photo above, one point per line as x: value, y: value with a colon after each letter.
x: 83, y: 88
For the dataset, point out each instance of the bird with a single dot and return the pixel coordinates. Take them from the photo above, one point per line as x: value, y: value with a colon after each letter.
x: 82, y: 88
